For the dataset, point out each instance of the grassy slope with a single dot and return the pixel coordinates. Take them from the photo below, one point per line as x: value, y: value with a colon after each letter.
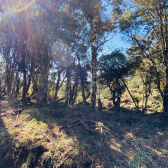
x: 35, y: 138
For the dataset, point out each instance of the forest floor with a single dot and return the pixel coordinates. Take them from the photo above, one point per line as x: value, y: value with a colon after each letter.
x: 80, y: 137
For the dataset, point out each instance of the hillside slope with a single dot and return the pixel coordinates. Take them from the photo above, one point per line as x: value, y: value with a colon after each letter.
x: 58, y: 136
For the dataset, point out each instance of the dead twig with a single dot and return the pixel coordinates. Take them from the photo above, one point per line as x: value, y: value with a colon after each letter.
x: 11, y: 113
x: 45, y: 136
x: 21, y: 121
x: 83, y: 123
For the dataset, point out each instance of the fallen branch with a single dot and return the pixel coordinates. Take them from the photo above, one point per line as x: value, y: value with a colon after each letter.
x: 21, y: 121
x: 87, y: 128
x: 33, y: 96
x: 12, y: 113
x: 130, y: 95
x: 83, y: 123
x: 57, y: 101
x: 69, y: 125
x: 45, y: 135
x: 64, y: 156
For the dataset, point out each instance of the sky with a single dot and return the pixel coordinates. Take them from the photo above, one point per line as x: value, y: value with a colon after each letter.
x: 117, y: 42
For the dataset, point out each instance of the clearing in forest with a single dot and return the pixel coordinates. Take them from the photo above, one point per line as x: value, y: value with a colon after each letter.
x: 58, y: 136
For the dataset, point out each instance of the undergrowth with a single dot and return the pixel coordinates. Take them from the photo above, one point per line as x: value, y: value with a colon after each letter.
x: 58, y: 136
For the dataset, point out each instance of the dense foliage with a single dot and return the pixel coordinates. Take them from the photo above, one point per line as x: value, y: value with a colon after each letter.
x: 46, y: 45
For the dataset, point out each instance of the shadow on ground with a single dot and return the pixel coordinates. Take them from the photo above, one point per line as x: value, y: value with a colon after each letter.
x: 124, y: 139
x: 6, y: 158
x: 58, y: 136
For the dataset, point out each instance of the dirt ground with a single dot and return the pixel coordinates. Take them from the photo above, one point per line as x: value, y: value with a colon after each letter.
x: 80, y: 137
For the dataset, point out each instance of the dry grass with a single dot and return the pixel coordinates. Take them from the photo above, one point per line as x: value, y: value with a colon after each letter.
x: 118, y: 139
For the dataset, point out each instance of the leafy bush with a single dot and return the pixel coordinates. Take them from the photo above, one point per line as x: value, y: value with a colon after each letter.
x: 137, y: 97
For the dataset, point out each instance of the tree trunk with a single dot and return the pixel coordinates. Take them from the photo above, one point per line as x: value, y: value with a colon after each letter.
x: 23, y: 48
x: 0, y: 88
x: 30, y: 76
x: 28, y: 84
x: 118, y: 101
x: 17, y: 87
x: 146, y: 98
x: 71, y: 95
x: 114, y: 93
x: 12, y: 82
x: 118, y: 96
x: 43, y: 81
x: 34, y: 81
x: 34, y: 78
x: 165, y: 105
x: 82, y: 82
x: 57, y: 85
x: 99, y: 104
x: 146, y: 101
x: 142, y: 101
x: 130, y: 95
x: 24, y: 81
x: 67, y: 87
x: 83, y: 93
x: 8, y: 78
x: 42, y: 89
x: 75, y: 94
x: 2, y: 91
x: 165, y: 98
x: 94, y: 61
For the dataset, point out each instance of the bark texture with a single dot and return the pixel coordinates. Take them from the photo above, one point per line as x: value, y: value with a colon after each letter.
x: 94, y: 60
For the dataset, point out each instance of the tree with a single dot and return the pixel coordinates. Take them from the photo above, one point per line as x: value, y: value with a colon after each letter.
x: 82, y: 26
x: 150, y: 18
x: 99, y: 26
x: 113, y: 70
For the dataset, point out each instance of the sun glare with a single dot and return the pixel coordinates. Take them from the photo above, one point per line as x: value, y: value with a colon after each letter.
x: 62, y: 54
x: 22, y: 7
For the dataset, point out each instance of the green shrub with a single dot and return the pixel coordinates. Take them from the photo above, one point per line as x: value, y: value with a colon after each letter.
x: 137, y: 97
x: 30, y: 158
